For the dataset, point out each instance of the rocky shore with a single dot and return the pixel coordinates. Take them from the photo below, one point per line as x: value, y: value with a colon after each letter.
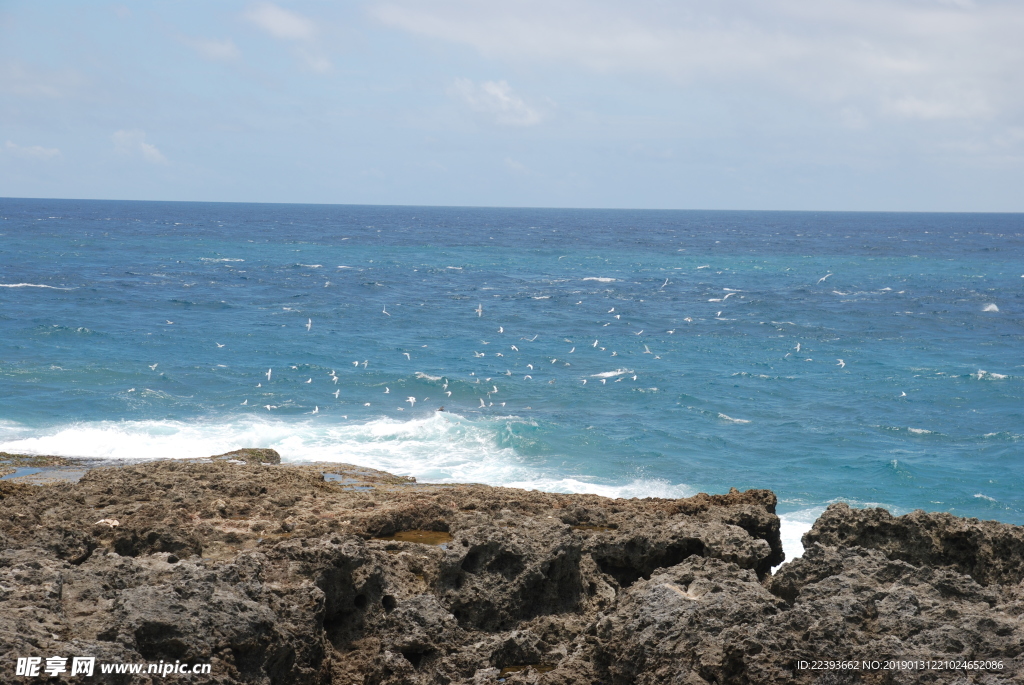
x: 327, y: 573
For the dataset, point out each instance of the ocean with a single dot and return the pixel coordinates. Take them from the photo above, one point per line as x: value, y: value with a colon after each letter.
x: 870, y: 358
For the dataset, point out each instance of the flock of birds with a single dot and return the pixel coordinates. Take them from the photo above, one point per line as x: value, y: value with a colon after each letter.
x: 619, y: 375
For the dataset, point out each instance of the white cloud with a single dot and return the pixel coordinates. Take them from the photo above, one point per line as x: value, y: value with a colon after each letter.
x: 902, y: 59
x: 132, y: 143
x: 32, y: 151
x: 286, y: 25
x: 496, y: 99
x: 215, y: 50
x: 281, y: 23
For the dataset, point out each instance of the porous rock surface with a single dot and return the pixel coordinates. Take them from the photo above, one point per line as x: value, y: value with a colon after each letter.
x: 294, y: 574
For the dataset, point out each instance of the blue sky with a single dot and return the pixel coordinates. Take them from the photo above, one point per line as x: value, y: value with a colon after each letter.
x: 734, y: 104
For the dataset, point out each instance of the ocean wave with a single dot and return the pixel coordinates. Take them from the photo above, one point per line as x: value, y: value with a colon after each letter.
x: 725, y: 417
x: 599, y: 279
x: 32, y: 285
x: 442, y: 447
x: 427, y: 376
x: 221, y: 259
x: 792, y: 526
x: 611, y: 374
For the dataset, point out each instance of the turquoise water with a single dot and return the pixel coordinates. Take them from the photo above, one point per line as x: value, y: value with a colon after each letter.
x: 136, y: 329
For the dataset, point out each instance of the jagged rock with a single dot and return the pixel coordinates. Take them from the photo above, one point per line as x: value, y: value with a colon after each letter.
x: 278, y: 574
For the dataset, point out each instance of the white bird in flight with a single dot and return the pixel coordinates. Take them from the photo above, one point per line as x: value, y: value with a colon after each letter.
x: 269, y: 371
x: 316, y: 409
x: 448, y: 392
x: 407, y: 356
x: 386, y: 390
x: 385, y: 311
x: 309, y: 380
x: 218, y: 344
x: 336, y: 393
x: 501, y: 329
x: 841, y: 363
x: 647, y: 350
x: 595, y: 344
x: 152, y: 367
x: 309, y: 324
x: 411, y: 401
x: 246, y: 402
x: 797, y: 347
x: 355, y: 363
x: 479, y: 310
x: 822, y: 279
x: 170, y: 323
x: 515, y: 348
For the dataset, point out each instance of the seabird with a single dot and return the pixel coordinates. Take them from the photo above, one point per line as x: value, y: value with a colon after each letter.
x: 310, y: 380
x: 386, y: 390
x: 269, y: 371
x: 479, y: 310
x: 385, y: 311
x: 515, y: 348
x: 218, y: 344
x: 316, y: 409
x: 246, y: 402
x: 152, y: 367
x: 501, y: 329
x: 309, y: 324
x: 336, y: 393
x: 411, y: 401
x: 841, y: 363
x: 407, y: 356
x: 822, y: 279
x: 482, y: 405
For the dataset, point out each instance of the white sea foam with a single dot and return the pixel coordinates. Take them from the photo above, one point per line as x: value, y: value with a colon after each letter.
x: 792, y: 527
x: 441, y: 447
x: 981, y: 496
x: 31, y: 285
x: 611, y: 374
x: 729, y: 418
x: 311, y: 266
x: 223, y: 259
x: 426, y: 376
x: 920, y: 431
x: 991, y: 307
x: 599, y: 279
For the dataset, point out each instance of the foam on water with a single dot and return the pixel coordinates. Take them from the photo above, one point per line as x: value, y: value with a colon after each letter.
x: 792, y: 527
x: 31, y: 285
x: 442, y: 447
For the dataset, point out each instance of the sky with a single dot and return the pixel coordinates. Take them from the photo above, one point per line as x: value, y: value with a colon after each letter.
x: 864, y: 105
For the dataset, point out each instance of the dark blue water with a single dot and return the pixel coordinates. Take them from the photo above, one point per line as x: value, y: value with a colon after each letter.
x: 160, y: 322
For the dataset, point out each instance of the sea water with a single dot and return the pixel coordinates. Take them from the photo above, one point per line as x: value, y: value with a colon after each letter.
x: 870, y: 358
